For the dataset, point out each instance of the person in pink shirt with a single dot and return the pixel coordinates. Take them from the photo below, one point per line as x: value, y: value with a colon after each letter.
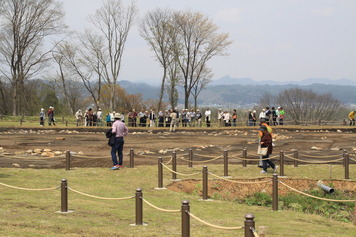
x: 119, y: 130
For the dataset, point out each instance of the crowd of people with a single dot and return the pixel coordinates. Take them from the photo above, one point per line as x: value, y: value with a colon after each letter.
x: 172, y: 118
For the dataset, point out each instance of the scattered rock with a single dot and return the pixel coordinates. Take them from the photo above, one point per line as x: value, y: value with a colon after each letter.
x: 30, y: 151
x: 60, y: 138
x: 47, y: 150
x: 19, y: 153
x: 38, y: 151
x: 47, y: 154
x: 15, y: 165
x: 80, y: 153
x: 335, y: 149
x: 316, y: 148
x: 58, y: 153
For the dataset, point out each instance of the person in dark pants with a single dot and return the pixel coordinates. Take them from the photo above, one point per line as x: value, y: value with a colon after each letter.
x: 119, y: 130
x: 266, y: 141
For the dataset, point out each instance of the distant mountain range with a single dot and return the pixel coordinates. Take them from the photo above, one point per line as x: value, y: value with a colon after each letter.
x: 239, y: 92
x: 227, y: 80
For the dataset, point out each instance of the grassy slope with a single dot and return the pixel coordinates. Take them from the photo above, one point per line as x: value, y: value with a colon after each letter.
x: 33, y: 213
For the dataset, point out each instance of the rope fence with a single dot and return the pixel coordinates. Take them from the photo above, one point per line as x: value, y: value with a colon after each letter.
x: 97, y: 197
x: 214, y: 226
x: 29, y: 189
x: 309, y: 195
x: 185, y: 209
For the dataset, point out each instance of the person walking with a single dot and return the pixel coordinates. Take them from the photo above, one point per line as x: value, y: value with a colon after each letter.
x: 42, y: 117
x: 266, y: 141
x: 119, y: 130
x: 352, y: 118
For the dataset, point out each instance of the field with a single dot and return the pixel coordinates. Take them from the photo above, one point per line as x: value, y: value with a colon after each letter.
x: 31, y: 213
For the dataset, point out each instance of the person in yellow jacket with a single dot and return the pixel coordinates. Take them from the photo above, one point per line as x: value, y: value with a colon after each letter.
x: 352, y: 118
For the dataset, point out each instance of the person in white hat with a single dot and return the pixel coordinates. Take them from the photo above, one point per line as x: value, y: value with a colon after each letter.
x: 42, y: 117
x: 119, y: 130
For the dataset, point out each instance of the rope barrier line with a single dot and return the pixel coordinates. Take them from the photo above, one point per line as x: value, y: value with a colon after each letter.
x: 255, y: 159
x: 352, y: 159
x: 177, y: 172
x: 309, y: 195
x: 207, y: 156
x: 254, y: 232
x: 22, y: 157
x: 169, y: 161
x: 90, y: 157
x: 160, y: 209
x: 315, y: 162
x: 97, y: 197
x: 212, y: 225
x: 240, y: 182
x: 29, y: 189
x: 200, y: 161
x: 319, y: 157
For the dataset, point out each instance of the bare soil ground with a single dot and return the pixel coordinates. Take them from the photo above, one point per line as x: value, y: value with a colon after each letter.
x: 148, y: 145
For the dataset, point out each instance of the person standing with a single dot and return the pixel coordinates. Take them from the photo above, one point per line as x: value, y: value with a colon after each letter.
x: 152, y: 118
x: 198, y: 116
x: 79, y: 117
x: 266, y: 141
x: 268, y: 115
x: 119, y: 130
x: 42, y: 117
x: 274, y: 117
x: 262, y: 114
x: 50, y: 115
x: 352, y: 118
x: 173, y: 117
x: 281, y: 116
x: 234, y: 118
x: 254, y: 118
x: 99, y: 118
x: 160, y: 119
x: 207, y: 117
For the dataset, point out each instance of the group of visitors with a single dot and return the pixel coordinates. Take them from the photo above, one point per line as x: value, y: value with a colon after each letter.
x: 272, y: 116
x: 89, y: 118
x: 50, y: 115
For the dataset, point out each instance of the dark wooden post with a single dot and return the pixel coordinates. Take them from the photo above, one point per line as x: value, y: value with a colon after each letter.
x: 190, y: 163
x: 249, y: 224
x: 275, y: 192
x: 132, y: 161
x: 139, y: 209
x: 160, y: 173
x: 174, y: 165
x: 296, y: 157
x: 205, y: 183
x: 281, y: 160
x: 68, y: 160
x: 244, y: 155
x: 347, y: 166
x: 64, y: 196
x: 185, y: 219
x: 226, y: 164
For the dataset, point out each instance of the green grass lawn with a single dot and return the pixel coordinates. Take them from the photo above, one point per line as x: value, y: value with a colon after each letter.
x: 35, y: 213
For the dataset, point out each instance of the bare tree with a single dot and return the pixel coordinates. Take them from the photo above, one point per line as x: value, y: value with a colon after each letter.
x: 26, y: 24
x: 197, y: 42
x: 156, y: 28
x: 305, y: 105
x: 203, y: 76
x: 113, y: 22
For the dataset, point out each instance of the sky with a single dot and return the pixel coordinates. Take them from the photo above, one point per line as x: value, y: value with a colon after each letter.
x: 280, y: 40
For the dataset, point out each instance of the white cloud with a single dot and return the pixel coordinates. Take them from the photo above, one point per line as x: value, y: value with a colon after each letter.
x: 230, y: 15
x: 323, y: 12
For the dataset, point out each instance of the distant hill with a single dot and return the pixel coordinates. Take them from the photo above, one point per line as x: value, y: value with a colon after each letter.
x: 245, y: 91
x: 227, y: 80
